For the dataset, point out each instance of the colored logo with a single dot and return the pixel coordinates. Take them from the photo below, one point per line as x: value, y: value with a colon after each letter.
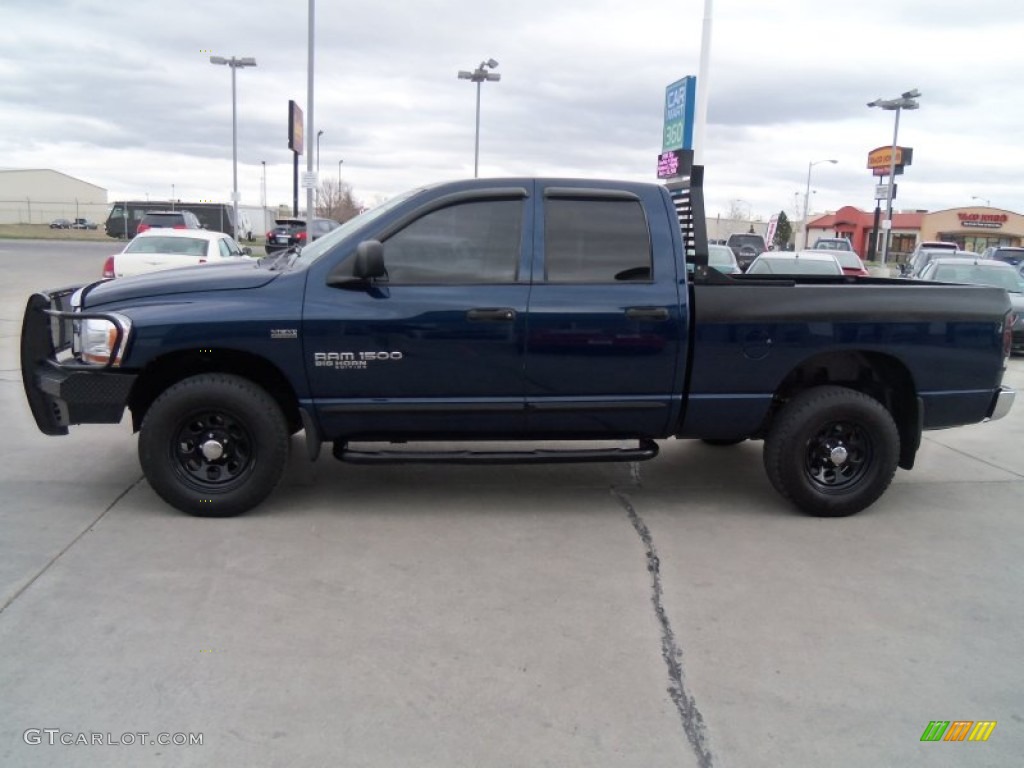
x: 958, y: 730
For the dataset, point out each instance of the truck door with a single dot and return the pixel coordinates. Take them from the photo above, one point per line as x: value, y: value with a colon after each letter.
x: 605, y: 327
x: 437, y: 348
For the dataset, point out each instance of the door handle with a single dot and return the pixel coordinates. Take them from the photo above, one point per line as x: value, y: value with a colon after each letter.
x: 658, y: 314
x: 495, y: 315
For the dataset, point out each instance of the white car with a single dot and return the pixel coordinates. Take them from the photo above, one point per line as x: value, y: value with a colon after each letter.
x: 157, y: 249
x: 722, y: 258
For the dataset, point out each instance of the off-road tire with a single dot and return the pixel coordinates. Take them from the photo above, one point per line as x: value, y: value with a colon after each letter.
x: 812, y: 432
x: 230, y: 416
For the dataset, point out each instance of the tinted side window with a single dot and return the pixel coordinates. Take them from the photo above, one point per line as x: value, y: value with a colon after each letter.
x: 596, y: 241
x: 225, y: 249
x: 476, y: 242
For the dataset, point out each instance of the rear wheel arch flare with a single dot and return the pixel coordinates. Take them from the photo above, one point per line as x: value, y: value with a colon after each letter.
x: 881, y: 376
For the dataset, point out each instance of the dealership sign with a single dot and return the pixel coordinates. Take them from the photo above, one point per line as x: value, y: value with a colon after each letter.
x: 677, y: 131
x: 295, y: 127
x: 880, y: 159
x: 675, y: 163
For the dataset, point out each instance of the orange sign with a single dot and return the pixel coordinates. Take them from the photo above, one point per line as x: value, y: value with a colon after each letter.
x: 882, y: 157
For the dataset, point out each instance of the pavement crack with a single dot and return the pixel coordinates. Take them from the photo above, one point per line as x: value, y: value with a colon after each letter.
x: 70, y: 544
x: 686, y: 705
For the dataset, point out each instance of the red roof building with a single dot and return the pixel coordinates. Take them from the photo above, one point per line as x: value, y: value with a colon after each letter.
x: 856, y: 224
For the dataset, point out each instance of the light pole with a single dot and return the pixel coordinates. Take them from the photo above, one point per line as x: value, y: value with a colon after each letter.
x: 703, y: 92
x: 263, y: 188
x: 339, y: 189
x: 807, y: 194
x: 234, y: 63
x: 988, y: 203
x: 479, y: 75
x: 907, y: 100
x: 318, y: 135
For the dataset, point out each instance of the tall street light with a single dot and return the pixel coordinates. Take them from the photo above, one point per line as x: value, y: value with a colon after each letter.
x: 318, y: 135
x: 479, y: 75
x: 337, y: 214
x: 907, y: 100
x: 263, y: 187
x: 234, y: 63
x: 807, y: 193
x: 988, y: 203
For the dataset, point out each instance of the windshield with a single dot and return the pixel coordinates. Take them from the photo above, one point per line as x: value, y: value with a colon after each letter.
x: 191, y: 246
x: 754, y: 240
x: 720, y: 256
x: 832, y: 245
x: 320, y: 246
x: 997, y: 278
x: 848, y: 259
x: 794, y: 266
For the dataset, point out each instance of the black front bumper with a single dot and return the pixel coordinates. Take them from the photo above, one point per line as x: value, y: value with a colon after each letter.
x: 61, y: 392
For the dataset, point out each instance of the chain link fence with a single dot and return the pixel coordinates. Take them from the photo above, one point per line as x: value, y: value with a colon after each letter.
x: 27, y: 210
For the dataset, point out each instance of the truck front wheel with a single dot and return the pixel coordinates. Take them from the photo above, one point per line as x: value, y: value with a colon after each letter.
x: 214, y: 445
x: 832, y: 451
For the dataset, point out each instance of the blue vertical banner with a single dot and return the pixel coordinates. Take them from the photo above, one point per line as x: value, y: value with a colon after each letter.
x: 679, y: 108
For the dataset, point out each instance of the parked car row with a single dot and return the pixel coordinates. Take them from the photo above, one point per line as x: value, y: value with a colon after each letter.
x: 806, y: 262
x: 73, y: 224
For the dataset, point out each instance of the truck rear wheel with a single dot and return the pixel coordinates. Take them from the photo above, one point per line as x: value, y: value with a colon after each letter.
x: 214, y: 445
x: 832, y: 451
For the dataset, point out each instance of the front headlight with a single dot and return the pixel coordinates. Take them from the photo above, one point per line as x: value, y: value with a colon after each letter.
x: 96, y: 339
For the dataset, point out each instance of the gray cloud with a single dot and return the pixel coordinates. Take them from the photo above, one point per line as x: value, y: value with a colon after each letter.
x: 125, y: 95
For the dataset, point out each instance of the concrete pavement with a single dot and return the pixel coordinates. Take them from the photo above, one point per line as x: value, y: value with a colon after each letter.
x: 672, y: 613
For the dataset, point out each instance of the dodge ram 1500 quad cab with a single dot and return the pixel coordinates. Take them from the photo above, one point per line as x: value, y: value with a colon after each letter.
x: 519, y: 310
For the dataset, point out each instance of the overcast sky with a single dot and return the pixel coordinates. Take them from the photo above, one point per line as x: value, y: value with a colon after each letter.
x: 123, y: 95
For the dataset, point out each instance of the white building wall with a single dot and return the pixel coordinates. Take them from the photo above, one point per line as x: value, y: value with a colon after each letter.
x: 719, y: 228
x: 37, y: 196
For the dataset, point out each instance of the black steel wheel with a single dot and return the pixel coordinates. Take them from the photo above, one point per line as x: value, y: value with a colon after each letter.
x: 214, y: 445
x: 832, y: 451
x: 212, y: 451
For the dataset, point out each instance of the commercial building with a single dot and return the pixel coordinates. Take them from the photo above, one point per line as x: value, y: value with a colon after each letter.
x: 972, y: 228
x: 39, y: 195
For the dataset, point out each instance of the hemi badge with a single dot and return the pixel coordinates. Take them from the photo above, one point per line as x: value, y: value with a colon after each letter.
x: 284, y: 333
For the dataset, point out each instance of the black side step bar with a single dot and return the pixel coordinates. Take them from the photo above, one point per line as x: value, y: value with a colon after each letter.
x: 646, y: 449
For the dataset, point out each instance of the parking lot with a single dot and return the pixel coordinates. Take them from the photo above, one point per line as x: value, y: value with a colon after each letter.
x: 671, y: 613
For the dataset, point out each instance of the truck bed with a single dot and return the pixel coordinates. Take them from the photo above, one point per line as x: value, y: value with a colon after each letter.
x: 750, y: 335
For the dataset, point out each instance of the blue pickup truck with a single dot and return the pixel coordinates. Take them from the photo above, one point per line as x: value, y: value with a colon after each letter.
x: 523, y: 311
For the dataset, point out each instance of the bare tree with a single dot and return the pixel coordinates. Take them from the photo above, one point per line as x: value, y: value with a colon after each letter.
x: 738, y: 211
x: 335, y: 200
